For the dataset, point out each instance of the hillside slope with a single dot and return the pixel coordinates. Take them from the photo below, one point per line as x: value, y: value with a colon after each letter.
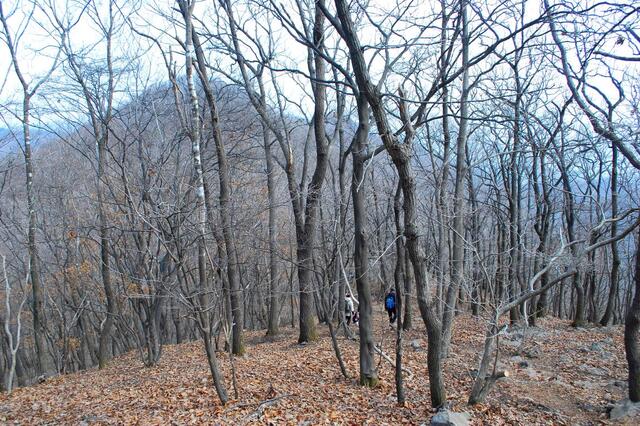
x: 560, y: 375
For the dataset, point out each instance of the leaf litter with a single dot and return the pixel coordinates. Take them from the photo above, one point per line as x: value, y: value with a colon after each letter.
x: 571, y: 377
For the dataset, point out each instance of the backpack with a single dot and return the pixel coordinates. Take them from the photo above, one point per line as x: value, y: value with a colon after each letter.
x: 390, y: 302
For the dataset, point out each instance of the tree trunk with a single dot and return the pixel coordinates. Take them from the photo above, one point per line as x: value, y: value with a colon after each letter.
x: 457, y: 252
x: 104, y: 345
x: 229, y: 252
x: 306, y: 241
x: 399, y: 278
x: 615, y: 257
x: 632, y: 334
x: 442, y: 182
x: 273, y: 322
x: 407, y: 322
x: 368, y: 373
x: 400, y: 154
x: 44, y: 361
x: 202, y: 306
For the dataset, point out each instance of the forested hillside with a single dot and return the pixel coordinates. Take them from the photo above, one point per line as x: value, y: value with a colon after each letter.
x: 218, y: 182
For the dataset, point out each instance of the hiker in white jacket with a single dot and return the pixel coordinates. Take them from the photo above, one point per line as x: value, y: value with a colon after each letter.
x: 348, y: 308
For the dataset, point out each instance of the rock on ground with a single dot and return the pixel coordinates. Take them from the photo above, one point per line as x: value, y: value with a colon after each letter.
x: 449, y: 418
x: 625, y: 408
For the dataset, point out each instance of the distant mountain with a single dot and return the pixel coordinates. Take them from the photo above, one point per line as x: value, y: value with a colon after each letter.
x: 11, y: 139
x: 7, y: 142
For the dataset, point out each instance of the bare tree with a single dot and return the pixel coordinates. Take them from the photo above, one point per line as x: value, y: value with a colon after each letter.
x: 100, y: 109
x: 14, y: 339
x: 615, y: 257
x: 29, y: 89
x: 186, y: 7
x: 229, y: 253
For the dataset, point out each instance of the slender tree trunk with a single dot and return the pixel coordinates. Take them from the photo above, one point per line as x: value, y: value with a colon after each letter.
x: 407, y: 322
x: 368, y: 373
x: 104, y: 345
x: 399, y: 278
x: 514, y: 207
x: 100, y: 113
x: 203, y: 308
x: 273, y: 322
x: 457, y: 254
x: 615, y: 257
x: 441, y: 205
x: 44, y: 361
x: 542, y: 223
x: 235, y: 290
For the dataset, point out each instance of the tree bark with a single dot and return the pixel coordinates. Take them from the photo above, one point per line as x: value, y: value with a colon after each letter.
x: 368, y: 373
x: 229, y: 254
x: 399, y: 278
x: 202, y: 306
x: 400, y: 154
x: 457, y: 252
x: 632, y: 333
x: 615, y: 257
x: 44, y: 362
x: 273, y: 322
x: 307, y: 240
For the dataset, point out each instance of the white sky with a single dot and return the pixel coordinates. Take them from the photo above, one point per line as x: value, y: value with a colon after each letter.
x: 37, y: 47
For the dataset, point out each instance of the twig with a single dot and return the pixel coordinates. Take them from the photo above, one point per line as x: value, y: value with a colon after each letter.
x: 390, y: 361
x: 259, y: 411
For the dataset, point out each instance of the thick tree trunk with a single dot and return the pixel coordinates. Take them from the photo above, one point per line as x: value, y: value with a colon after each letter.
x: 307, y: 240
x: 632, y: 334
x: 401, y: 154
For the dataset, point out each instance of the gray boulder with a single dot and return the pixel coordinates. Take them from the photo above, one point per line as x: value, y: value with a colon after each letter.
x: 592, y: 371
x: 596, y: 347
x: 450, y: 418
x: 587, y: 384
x: 625, y: 408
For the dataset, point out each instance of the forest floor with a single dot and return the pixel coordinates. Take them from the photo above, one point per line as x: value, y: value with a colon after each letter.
x: 559, y: 375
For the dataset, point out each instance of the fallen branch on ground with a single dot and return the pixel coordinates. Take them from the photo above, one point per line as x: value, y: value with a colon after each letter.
x: 390, y: 361
x: 259, y: 412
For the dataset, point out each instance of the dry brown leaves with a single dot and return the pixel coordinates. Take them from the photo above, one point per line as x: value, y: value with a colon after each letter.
x: 568, y: 381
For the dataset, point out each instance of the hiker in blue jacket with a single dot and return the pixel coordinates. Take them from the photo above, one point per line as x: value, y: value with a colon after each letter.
x: 390, y: 305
